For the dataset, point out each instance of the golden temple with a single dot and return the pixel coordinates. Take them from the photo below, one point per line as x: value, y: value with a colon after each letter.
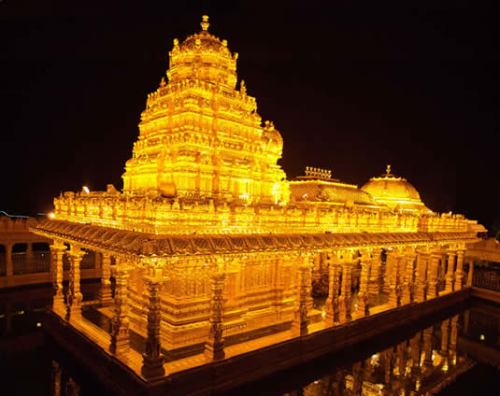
x: 211, y: 245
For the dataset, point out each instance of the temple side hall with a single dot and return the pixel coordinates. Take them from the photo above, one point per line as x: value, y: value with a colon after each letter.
x: 236, y: 303
x: 214, y: 253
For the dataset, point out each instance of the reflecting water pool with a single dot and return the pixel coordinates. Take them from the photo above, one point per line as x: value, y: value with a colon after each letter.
x: 454, y: 352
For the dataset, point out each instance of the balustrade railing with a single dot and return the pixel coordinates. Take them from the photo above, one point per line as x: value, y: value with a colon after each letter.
x: 487, y: 276
x: 34, y: 267
x: 37, y: 263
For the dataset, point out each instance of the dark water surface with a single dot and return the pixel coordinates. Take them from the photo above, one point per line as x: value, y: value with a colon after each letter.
x: 448, y: 354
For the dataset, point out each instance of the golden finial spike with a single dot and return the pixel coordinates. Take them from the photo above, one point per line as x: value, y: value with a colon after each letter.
x: 388, y: 169
x: 204, y: 23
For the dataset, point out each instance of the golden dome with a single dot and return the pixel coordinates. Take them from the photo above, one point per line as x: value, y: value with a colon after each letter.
x: 395, y: 192
x: 203, y: 56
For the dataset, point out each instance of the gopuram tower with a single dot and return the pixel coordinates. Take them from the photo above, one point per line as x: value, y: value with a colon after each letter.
x: 200, y: 134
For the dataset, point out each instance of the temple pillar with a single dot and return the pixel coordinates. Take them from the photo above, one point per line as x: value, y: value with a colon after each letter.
x: 389, y: 268
x: 363, y: 308
x: 393, y: 261
x: 407, y: 292
x: 339, y: 387
x: 415, y: 353
x: 374, y: 287
x: 432, y: 275
x: 105, y: 295
x: 421, y: 277
x: 427, y: 347
x: 152, y: 358
x: 214, y: 346
x: 332, y: 302
x: 345, y: 290
x: 450, y: 269
x: 445, y: 324
x: 120, y: 343
x: 301, y: 321
x: 309, y: 298
x: 75, y: 297
x: 71, y: 388
x: 357, y: 380
x: 56, y: 379
x: 388, y: 357
x: 57, y: 254
x: 459, y: 275
x: 453, y: 340
x: 470, y: 274
x: 401, y: 359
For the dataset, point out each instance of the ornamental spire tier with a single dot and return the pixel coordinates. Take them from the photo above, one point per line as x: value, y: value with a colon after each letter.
x: 200, y: 136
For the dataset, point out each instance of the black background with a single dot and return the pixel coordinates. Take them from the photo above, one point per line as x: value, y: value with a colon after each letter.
x: 351, y: 88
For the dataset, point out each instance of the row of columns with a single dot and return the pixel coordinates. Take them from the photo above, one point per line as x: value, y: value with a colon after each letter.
x: 410, y: 276
x: 70, y: 308
x: 153, y: 358
x: 401, y: 369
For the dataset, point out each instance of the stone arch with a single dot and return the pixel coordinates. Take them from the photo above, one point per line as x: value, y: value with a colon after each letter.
x: 41, y: 257
x: 20, y: 258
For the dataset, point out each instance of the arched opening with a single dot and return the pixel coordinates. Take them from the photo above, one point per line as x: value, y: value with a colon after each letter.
x: 20, y: 258
x: 41, y: 257
x: 3, y: 260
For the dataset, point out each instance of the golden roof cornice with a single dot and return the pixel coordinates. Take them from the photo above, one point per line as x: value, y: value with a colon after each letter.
x: 144, y: 244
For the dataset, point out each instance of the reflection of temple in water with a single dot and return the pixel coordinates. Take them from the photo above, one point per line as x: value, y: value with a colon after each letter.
x: 424, y: 363
x: 420, y: 363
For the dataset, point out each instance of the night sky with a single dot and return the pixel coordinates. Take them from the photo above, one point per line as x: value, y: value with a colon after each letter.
x: 350, y: 89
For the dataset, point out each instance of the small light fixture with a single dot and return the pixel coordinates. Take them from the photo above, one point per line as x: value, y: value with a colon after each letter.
x: 38, y: 324
x: 482, y: 337
x: 51, y: 215
x: 86, y: 190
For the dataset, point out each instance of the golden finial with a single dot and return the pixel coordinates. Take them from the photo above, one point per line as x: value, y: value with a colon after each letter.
x: 388, y: 170
x: 204, y: 23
